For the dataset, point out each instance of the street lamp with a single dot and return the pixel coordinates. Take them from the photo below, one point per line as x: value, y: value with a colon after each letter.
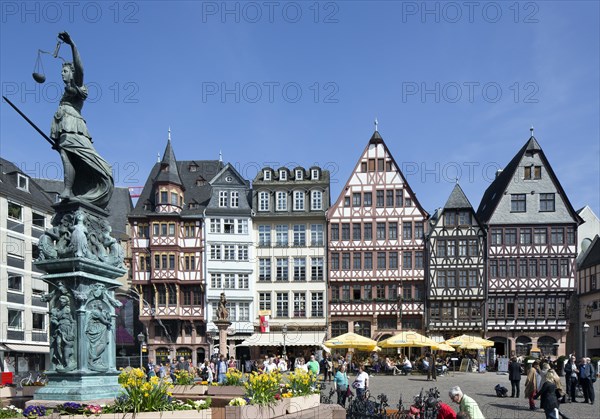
x: 284, y: 333
x: 586, y: 327
x: 140, y: 338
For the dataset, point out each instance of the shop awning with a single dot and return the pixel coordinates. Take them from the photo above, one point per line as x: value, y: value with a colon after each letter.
x: 38, y: 349
x: 292, y: 338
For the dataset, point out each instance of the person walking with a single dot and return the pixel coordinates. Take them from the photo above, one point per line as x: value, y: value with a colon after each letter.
x: 340, y: 385
x: 531, y: 384
x: 466, y: 403
x: 514, y: 375
x: 361, y: 382
x: 548, y: 395
x: 571, y: 378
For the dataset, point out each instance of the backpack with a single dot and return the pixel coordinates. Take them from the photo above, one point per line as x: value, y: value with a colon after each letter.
x: 501, y: 391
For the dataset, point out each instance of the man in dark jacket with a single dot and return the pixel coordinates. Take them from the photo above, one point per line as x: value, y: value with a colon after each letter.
x: 571, y: 376
x: 514, y: 375
x: 586, y: 374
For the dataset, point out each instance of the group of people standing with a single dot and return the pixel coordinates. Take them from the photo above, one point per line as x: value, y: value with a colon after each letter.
x: 543, y: 383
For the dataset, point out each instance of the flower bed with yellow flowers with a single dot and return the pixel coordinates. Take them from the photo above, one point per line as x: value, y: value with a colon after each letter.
x: 233, y: 377
x: 262, y: 388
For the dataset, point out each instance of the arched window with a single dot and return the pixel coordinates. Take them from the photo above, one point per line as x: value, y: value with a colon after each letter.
x: 363, y: 328
x: 338, y: 328
x: 548, y: 345
x: 523, y: 346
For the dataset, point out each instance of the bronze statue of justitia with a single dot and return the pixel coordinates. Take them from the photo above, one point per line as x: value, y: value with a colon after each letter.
x: 88, y: 177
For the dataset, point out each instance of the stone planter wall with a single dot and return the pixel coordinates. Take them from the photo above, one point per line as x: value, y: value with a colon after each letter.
x: 233, y: 391
x: 178, y: 414
x: 6, y: 392
x: 297, y: 404
x: 192, y: 390
x: 257, y: 412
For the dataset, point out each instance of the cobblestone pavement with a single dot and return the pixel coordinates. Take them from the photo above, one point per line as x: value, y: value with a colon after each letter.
x: 481, y: 388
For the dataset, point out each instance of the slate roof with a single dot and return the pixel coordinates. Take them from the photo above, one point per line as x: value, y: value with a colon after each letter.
x: 592, y: 255
x: 194, y: 175
x: 168, y: 167
x: 35, y: 198
x: 118, y: 208
x: 457, y: 199
x: 493, y: 194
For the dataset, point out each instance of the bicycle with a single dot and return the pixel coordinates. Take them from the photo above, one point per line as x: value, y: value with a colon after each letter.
x: 39, y: 380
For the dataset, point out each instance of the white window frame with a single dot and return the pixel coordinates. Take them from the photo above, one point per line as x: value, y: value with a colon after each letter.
x: 24, y: 180
x: 283, y: 175
x: 314, y: 174
x: 263, y: 201
x: 316, y: 200
x: 282, y: 201
x: 266, y: 174
x: 299, y: 198
x: 299, y: 174
x: 20, y: 325
x: 223, y: 199
x: 234, y: 199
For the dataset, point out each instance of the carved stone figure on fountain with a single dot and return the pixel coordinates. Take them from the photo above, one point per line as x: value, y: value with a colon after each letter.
x: 222, y: 312
x: 98, y: 325
x: 62, y: 330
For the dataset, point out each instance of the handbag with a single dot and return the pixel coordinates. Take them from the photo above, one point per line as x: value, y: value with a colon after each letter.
x: 348, y: 392
x: 355, y: 384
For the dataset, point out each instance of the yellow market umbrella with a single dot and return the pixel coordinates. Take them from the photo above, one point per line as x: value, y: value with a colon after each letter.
x: 443, y: 347
x: 471, y: 345
x: 351, y: 340
x: 407, y: 339
x: 464, y: 339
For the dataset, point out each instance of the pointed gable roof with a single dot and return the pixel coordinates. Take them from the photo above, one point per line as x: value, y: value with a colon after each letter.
x: 493, y: 194
x: 168, y: 171
x: 592, y: 255
x: 457, y: 199
x: 228, y: 168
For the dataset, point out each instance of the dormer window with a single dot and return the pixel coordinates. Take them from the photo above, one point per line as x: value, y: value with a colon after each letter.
x: 314, y: 174
x: 299, y: 174
x: 193, y: 167
x: 22, y: 182
x: 282, y: 175
x: 266, y: 174
x: 164, y: 197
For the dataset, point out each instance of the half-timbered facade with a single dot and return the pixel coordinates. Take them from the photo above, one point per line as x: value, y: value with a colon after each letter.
x: 532, y: 246
x: 167, y: 256
x: 588, y: 292
x: 456, y: 289
x: 376, y: 249
x: 290, y: 236
x: 230, y: 254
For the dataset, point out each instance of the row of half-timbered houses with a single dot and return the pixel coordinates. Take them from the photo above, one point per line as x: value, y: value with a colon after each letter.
x: 295, y: 270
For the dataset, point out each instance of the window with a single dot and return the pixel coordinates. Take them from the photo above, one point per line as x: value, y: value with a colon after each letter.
x: 380, y: 290
x: 345, y: 261
x: 228, y: 252
x: 39, y: 321
x: 367, y: 231
x: 356, y: 261
x: 356, y: 199
x: 557, y: 235
x: 462, y: 278
x: 282, y: 270
x: 15, y: 319
x: 510, y: 236
x: 264, y: 269
x: 523, y: 268
x: 15, y: 282
x: 472, y: 278
x: 317, y: 237
x: 264, y: 301
x: 299, y: 174
x: 243, y: 253
x: 540, y: 236
x: 283, y: 175
x: 243, y: 281
x: 15, y: 211
x: 316, y: 202
x: 264, y: 235
x: 335, y: 231
x: 266, y: 174
x: 244, y: 312
x: 299, y: 235
x: 462, y: 248
x: 316, y: 300
x: 517, y: 202
x: 407, y: 260
x: 570, y: 235
x: 496, y: 236
x: 441, y: 248
x: 380, y: 199
x: 464, y: 218
x: 281, y: 201
x: 299, y: 269
x: 282, y: 304
x: 380, y: 231
x: 381, y: 260
x: 314, y: 174
x: 189, y: 262
x: 335, y: 261
x: 451, y: 248
x: 299, y: 304
x: 399, y: 198
x: 229, y: 281
x: 171, y: 229
x: 339, y: 328
x: 546, y: 202
x: 345, y: 231
x: 356, y: 230
x: 367, y: 199
x: 22, y: 182
x: 174, y: 198
x: 281, y: 235
x: 222, y: 199
x: 317, y: 269
x: 473, y: 247
x: 407, y: 292
x: 389, y: 198
x: 345, y: 292
x: 235, y: 199
x: 564, y: 268
x: 525, y: 236
x: 368, y: 260
x: 533, y: 172
x: 419, y: 230
x: 242, y: 226
x: 228, y: 226
x: 502, y: 268
x: 263, y: 201
x: 393, y: 231
x: 393, y: 260
x: 298, y: 200
x: 418, y: 260
x: 38, y: 220
x: 407, y: 230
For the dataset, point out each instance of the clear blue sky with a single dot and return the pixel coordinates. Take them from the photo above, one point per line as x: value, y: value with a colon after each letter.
x: 455, y: 87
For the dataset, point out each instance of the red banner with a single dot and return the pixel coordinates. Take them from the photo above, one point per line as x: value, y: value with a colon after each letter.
x: 264, y: 324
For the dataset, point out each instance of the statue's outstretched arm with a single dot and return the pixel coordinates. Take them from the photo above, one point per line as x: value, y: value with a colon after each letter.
x: 78, y: 76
